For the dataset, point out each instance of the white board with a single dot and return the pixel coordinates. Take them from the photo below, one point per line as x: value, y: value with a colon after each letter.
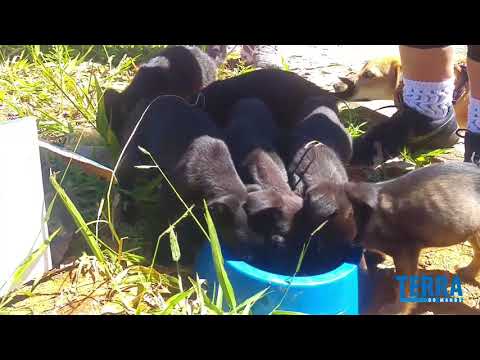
x: 22, y: 207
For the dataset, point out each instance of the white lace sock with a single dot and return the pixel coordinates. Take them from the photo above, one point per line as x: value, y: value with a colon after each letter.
x: 474, y: 115
x: 432, y: 99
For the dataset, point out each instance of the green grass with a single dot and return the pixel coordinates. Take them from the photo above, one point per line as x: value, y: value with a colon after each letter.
x: 57, y: 88
x: 62, y: 86
x: 422, y: 158
x: 353, y: 123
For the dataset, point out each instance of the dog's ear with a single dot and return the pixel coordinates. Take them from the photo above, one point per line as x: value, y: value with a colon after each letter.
x: 262, y: 201
x: 223, y: 208
x: 115, y: 110
x: 322, y: 201
x: 111, y: 100
x: 263, y: 209
x: 362, y: 194
x: 396, y: 79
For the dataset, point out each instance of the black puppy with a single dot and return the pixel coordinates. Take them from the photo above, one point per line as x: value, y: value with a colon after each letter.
x: 187, y: 147
x: 176, y: 70
x: 317, y: 149
x: 387, y: 139
x: 251, y: 137
x: 283, y: 92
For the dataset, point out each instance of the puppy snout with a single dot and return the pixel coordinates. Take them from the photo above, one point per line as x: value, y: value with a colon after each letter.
x: 340, y: 87
x: 278, y: 241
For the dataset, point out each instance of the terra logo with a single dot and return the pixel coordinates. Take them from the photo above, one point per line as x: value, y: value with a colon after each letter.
x: 425, y: 289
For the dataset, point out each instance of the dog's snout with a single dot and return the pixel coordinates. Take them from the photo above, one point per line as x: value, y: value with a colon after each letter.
x: 278, y: 241
x: 340, y: 86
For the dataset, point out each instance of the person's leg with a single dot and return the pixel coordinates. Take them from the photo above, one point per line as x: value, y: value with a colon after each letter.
x: 428, y: 79
x: 426, y: 120
x: 426, y: 63
x: 472, y: 137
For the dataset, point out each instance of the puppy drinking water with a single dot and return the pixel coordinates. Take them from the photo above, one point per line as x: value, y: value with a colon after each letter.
x: 251, y: 137
x: 317, y: 171
x: 435, y: 206
x: 186, y: 145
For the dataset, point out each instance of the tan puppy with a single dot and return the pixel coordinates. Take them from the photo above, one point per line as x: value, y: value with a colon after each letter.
x: 381, y: 79
x: 435, y: 206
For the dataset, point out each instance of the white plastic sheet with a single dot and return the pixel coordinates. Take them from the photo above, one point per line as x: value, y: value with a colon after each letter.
x: 22, y: 207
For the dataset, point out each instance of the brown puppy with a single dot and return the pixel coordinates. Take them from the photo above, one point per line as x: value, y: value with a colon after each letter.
x: 381, y: 79
x: 317, y: 170
x: 435, y: 206
x: 251, y: 137
x: 187, y: 146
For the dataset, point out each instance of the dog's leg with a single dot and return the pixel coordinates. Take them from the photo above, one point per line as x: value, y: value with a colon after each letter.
x: 373, y: 258
x: 406, y: 263
x: 473, y: 269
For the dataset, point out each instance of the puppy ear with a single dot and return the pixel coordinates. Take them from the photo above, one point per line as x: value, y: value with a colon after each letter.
x: 223, y: 208
x: 114, y: 110
x: 263, y: 209
x: 111, y: 100
x: 321, y: 201
x: 363, y: 194
x: 262, y: 202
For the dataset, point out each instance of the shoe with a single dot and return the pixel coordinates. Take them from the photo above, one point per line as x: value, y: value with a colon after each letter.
x: 262, y: 56
x: 472, y: 146
x: 406, y: 128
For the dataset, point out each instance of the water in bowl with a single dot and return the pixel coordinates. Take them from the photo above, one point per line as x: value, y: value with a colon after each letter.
x: 315, y: 262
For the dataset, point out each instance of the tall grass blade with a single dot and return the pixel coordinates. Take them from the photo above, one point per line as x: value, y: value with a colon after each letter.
x: 88, y: 235
x: 31, y: 259
x: 218, y: 261
x: 174, y: 300
x: 284, y: 312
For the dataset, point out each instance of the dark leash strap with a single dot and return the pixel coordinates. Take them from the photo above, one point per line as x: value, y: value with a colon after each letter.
x: 200, y: 101
x: 301, y: 175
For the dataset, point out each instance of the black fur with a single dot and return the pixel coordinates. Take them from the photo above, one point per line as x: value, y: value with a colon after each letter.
x: 176, y: 70
x: 251, y: 137
x: 186, y: 145
x: 282, y: 91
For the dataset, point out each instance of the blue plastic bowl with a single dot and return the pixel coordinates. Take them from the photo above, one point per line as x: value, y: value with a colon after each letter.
x: 332, y: 293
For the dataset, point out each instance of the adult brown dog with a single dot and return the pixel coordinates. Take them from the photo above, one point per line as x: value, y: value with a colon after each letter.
x: 381, y: 79
x: 435, y: 206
